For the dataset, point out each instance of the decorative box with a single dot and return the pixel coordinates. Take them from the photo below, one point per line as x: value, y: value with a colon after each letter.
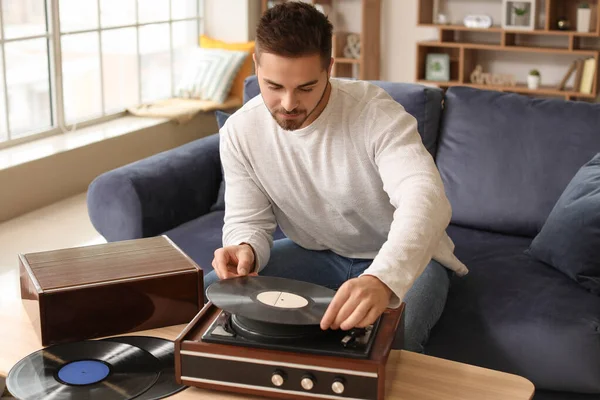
x: 109, y: 289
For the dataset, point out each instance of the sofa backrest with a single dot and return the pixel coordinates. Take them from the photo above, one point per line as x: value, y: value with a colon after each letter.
x: 422, y: 102
x: 505, y: 158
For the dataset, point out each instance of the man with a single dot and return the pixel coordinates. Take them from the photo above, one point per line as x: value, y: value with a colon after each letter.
x: 340, y: 166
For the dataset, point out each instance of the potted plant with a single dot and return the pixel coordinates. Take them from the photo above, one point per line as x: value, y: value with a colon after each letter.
x: 533, y: 79
x: 584, y: 16
x: 520, y: 14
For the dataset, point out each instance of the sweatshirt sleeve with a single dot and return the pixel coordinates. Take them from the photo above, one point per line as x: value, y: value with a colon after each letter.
x: 249, y: 215
x: 422, y: 210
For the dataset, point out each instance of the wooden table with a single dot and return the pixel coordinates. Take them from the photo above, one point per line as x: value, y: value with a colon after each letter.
x: 415, y: 376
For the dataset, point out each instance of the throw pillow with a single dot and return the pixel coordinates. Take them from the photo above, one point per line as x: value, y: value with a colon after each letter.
x: 570, y: 238
x: 221, y: 118
x: 210, y: 73
x: 220, y: 203
x: 247, y: 68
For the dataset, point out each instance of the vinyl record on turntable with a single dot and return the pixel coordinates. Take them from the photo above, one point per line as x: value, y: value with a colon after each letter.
x: 84, y: 370
x: 272, y: 299
x: 164, y: 351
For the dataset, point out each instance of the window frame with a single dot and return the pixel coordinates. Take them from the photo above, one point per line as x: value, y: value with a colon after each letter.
x: 53, y: 36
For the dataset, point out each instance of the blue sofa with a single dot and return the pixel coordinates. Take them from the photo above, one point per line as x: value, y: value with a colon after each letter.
x: 505, y: 160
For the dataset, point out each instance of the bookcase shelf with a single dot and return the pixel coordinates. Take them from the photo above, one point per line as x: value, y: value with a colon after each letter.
x: 496, y: 28
x: 465, y: 52
x: 341, y: 60
x: 520, y: 88
x: 516, y: 48
x: 368, y: 65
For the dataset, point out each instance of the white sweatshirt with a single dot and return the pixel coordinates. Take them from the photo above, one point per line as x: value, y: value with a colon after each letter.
x: 357, y: 181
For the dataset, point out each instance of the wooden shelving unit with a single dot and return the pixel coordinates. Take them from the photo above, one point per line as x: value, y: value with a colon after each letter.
x: 464, y: 53
x: 369, y: 63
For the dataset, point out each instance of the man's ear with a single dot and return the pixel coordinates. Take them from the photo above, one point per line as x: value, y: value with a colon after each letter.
x: 255, y: 62
x: 330, y: 66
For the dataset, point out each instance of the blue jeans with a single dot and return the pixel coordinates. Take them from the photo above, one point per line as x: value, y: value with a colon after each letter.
x: 425, y: 301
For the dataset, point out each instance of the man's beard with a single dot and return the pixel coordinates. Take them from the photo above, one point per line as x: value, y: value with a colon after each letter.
x: 289, y: 124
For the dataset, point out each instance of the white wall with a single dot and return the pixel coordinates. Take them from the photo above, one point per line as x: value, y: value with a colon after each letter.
x: 231, y: 20
x: 399, y: 37
x: 226, y: 19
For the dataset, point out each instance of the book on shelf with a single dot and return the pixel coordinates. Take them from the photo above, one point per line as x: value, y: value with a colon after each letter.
x: 587, y: 76
x: 584, y: 71
x: 578, y: 75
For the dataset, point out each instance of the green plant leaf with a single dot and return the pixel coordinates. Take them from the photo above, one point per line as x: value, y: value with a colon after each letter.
x: 520, y: 11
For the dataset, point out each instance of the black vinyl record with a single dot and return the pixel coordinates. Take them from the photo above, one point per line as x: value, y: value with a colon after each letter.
x: 84, y: 370
x: 272, y: 299
x: 164, y: 351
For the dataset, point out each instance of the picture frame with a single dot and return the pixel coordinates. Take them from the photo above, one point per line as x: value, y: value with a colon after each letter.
x: 519, y: 14
x: 437, y: 67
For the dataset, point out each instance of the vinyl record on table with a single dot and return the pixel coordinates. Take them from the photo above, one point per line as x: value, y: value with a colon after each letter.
x: 84, y: 370
x: 272, y: 299
x: 164, y: 351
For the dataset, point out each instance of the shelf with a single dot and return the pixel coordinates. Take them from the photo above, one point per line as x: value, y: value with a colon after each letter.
x: 461, y: 28
x: 341, y: 60
x: 499, y: 29
x: 520, y: 88
x: 469, y: 47
x: 496, y: 47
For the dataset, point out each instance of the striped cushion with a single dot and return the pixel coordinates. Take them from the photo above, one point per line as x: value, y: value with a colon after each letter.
x: 210, y: 73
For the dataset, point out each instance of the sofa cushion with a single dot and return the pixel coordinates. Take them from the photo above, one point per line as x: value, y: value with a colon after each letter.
x: 516, y: 314
x: 505, y: 158
x: 200, y: 237
x: 422, y: 102
x: 247, y: 68
x: 552, y: 395
x: 570, y: 238
x: 209, y: 74
x: 220, y: 203
x: 221, y: 117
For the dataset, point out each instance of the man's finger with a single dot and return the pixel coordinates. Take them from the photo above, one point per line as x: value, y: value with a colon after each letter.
x: 245, y: 261
x: 220, y: 263
x: 357, y: 316
x: 230, y: 271
x: 371, y: 317
x: 214, y: 266
x: 345, y: 311
x: 338, y: 301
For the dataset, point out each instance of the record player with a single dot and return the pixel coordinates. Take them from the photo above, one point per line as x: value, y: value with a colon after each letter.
x: 261, y: 336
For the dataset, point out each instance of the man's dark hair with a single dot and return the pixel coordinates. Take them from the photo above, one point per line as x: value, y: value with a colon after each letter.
x: 294, y: 29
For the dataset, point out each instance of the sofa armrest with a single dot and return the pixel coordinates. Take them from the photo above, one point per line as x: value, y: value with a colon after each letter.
x: 150, y: 196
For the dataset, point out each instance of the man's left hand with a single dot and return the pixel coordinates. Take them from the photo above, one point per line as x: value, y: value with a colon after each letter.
x: 357, y: 303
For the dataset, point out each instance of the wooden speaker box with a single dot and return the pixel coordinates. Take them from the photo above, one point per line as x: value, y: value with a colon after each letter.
x: 109, y: 289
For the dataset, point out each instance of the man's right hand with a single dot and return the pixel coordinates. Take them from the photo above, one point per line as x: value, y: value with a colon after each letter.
x: 233, y: 261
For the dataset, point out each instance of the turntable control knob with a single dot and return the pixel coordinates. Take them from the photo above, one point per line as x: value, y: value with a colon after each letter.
x: 307, y: 382
x: 278, y: 378
x: 338, y: 386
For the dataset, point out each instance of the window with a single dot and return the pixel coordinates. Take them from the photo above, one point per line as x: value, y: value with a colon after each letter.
x: 65, y: 63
